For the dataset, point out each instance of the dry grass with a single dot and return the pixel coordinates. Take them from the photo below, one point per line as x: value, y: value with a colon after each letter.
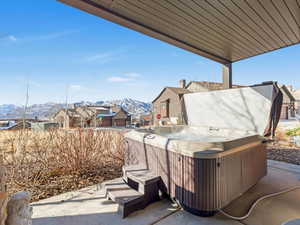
x: 52, y: 162
x: 282, y: 139
x: 281, y: 135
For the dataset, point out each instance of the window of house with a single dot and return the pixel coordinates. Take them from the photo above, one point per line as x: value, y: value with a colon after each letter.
x: 164, y: 108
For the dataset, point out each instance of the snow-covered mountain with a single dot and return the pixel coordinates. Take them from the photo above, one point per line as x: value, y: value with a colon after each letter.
x: 41, y: 111
x: 45, y: 111
x: 6, y: 108
x: 132, y: 106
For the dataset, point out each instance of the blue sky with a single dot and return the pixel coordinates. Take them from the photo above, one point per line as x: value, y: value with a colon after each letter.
x: 52, y: 46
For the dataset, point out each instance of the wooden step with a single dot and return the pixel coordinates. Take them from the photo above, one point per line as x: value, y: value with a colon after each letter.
x: 128, y: 199
x: 122, y: 193
x: 138, y: 174
x: 116, y: 184
x: 144, y: 181
x: 135, y: 190
x: 133, y: 168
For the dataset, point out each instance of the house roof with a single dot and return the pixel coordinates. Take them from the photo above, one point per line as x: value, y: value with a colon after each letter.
x: 176, y: 90
x: 101, y: 115
x: 179, y: 91
x: 95, y: 107
x: 86, y: 111
x: 212, y: 86
x: 115, y: 108
x: 287, y: 92
x: 147, y: 117
x: 18, y: 125
x: 121, y: 114
x: 296, y: 94
x: 72, y: 113
x: 89, y: 112
x: 224, y: 31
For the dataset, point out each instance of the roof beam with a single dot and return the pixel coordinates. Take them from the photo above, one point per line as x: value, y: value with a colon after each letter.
x: 104, y: 12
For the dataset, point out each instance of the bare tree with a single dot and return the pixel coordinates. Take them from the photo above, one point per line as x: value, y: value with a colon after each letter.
x: 25, y: 105
x: 66, y: 106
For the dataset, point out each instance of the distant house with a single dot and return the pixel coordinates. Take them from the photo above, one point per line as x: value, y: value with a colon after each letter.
x: 90, y: 111
x: 296, y: 95
x: 288, y: 104
x: 5, y: 124
x: 89, y: 115
x: 146, y: 120
x: 43, y: 126
x: 14, y: 125
x: 121, y: 118
x: 201, y: 86
x: 105, y: 119
x: 167, y: 106
x: 92, y: 116
x: 117, y: 117
x: 18, y: 123
x: 68, y: 118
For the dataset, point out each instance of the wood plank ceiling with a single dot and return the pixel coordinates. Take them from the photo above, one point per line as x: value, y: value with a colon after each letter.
x: 223, y: 30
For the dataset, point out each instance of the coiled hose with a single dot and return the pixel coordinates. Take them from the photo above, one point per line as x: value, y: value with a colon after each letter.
x: 256, y: 202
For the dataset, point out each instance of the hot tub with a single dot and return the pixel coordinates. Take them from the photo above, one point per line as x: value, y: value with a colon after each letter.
x: 210, y: 162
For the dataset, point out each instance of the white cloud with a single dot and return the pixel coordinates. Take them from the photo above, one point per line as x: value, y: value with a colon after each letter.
x: 119, y: 79
x: 11, y: 38
x: 43, y: 37
x: 132, y: 75
x: 106, y: 57
x: 124, y: 79
x: 50, y: 36
x: 76, y: 87
x: 101, y: 58
x: 35, y: 84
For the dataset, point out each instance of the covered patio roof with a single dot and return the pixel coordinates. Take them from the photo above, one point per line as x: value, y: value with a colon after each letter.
x: 224, y: 31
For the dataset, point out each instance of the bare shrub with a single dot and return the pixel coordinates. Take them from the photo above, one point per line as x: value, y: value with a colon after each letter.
x: 51, y: 162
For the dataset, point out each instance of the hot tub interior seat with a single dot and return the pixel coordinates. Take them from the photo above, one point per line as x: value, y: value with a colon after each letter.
x: 196, y: 133
x: 199, y: 142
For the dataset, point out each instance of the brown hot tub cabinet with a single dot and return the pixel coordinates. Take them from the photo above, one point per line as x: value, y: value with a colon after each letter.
x: 217, y: 157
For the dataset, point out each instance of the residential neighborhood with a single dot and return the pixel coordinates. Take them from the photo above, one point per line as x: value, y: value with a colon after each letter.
x: 167, y: 109
x: 118, y: 114
x: 92, y: 116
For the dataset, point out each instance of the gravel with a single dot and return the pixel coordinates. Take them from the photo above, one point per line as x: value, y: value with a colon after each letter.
x: 284, y: 154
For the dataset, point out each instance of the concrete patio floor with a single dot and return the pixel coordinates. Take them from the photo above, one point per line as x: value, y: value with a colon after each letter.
x: 89, y: 206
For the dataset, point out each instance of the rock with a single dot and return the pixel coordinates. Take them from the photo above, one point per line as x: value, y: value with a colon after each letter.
x: 3, y: 209
x: 19, y: 211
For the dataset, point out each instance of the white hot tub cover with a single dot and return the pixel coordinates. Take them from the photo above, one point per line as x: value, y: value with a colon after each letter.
x: 254, y: 109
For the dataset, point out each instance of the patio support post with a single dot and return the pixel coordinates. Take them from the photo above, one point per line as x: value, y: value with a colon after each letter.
x: 227, y: 76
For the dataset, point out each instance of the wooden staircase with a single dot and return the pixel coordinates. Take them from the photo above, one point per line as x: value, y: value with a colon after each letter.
x: 134, y: 191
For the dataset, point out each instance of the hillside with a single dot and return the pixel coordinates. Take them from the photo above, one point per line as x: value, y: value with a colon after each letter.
x: 44, y: 111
